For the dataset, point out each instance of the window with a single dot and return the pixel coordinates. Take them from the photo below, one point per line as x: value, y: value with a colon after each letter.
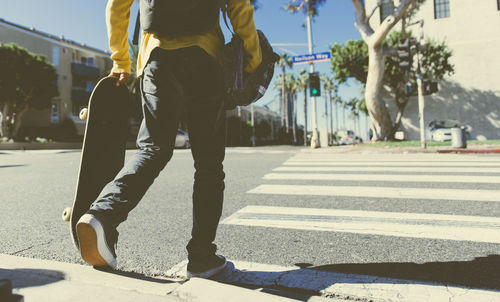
x: 55, y: 56
x: 386, y: 9
x: 498, y: 4
x: 441, y: 9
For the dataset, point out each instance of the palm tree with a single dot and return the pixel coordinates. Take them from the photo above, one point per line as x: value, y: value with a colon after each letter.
x: 284, y: 61
x: 303, y: 82
x: 330, y: 87
x: 293, y: 87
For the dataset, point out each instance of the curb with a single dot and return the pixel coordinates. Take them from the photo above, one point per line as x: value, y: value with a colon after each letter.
x: 49, y: 146
x: 203, y: 290
x: 39, y: 146
x: 355, y: 149
x: 474, y: 151
x: 46, y: 280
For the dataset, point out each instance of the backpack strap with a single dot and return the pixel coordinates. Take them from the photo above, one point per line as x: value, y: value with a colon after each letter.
x: 137, y: 27
x: 224, y: 14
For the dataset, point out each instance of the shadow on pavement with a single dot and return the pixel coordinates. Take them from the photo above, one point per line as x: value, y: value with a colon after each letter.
x: 308, y: 281
x: 480, y: 273
x: 12, y: 166
x: 22, y: 278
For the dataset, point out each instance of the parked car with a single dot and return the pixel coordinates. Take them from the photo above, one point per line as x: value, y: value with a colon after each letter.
x: 440, y: 131
x: 182, y: 139
x: 347, y: 137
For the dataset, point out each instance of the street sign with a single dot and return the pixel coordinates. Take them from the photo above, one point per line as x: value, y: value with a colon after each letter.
x: 315, y: 57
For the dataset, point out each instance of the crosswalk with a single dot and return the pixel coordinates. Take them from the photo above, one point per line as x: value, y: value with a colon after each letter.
x: 383, y: 176
x: 433, y: 178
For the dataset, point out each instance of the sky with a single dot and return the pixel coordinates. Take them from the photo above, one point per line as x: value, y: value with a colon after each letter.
x: 84, y: 22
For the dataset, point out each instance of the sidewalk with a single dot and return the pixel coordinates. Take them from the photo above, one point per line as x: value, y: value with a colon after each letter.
x: 43, y: 280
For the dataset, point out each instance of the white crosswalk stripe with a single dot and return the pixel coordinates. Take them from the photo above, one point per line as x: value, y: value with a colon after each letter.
x: 396, y: 157
x: 389, y: 163
x: 435, y: 226
x: 391, y: 169
x: 385, y: 177
x: 379, y: 192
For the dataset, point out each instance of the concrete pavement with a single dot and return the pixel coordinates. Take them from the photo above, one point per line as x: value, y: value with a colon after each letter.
x: 43, y: 280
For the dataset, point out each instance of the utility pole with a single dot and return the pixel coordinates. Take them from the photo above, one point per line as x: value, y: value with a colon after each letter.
x: 253, y: 125
x: 315, y: 135
x: 421, y: 99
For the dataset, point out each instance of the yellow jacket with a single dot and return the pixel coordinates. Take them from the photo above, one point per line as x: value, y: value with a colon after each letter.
x: 240, y: 13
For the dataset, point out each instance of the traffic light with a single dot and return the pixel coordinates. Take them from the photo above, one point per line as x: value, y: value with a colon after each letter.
x: 404, y: 55
x: 314, y: 84
x: 430, y: 87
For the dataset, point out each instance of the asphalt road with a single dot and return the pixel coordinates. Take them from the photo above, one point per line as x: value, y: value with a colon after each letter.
x: 35, y: 187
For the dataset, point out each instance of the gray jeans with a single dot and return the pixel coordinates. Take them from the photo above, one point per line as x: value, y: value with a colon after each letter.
x: 185, y: 80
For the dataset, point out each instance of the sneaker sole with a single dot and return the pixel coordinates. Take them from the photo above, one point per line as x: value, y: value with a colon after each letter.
x: 207, y: 274
x: 93, y: 247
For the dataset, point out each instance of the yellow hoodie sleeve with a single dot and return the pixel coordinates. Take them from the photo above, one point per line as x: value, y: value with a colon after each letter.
x: 240, y: 13
x: 117, y: 20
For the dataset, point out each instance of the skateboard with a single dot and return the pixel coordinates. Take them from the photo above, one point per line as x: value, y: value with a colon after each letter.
x: 103, y: 151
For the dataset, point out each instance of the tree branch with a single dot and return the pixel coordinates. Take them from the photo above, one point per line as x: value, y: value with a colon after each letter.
x: 379, y: 3
x: 378, y: 37
x: 361, y: 22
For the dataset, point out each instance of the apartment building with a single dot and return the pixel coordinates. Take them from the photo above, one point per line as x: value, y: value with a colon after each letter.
x: 472, y: 94
x: 78, y: 66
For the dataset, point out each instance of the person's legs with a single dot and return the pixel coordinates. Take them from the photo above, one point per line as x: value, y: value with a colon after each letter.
x: 161, y: 99
x: 207, y: 132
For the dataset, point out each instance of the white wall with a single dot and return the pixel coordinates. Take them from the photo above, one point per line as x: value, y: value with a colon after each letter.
x: 472, y: 94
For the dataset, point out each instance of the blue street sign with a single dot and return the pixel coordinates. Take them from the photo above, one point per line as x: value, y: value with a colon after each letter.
x: 315, y: 57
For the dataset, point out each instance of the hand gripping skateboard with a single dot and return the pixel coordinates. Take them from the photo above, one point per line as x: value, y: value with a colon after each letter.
x: 103, y: 151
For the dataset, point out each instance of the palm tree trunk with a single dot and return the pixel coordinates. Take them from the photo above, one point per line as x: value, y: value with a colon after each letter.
x: 294, y: 99
x: 287, y: 126
x: 331, y: 117
x: 336, y: 116
x: 283, y: 97
x: 343, y: 118
x: 305, y: 116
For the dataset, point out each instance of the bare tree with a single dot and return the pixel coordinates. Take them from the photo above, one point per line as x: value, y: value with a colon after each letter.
x: 380, y: 119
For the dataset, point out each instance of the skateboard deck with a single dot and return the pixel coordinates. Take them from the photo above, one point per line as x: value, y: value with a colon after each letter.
x: 103, y: 151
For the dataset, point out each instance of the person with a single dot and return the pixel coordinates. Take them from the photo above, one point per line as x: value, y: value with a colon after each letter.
x: 177, y: 73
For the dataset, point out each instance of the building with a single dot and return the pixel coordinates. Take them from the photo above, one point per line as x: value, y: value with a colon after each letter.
x: 78, y: 66
x: 472, y: 94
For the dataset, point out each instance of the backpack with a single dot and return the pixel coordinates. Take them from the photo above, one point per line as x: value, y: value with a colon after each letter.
x: 173, y: 18
x: 243, y: 88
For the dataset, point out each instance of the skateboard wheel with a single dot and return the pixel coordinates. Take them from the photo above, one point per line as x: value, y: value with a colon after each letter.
x: 84, y: 113
x: 66, y: 215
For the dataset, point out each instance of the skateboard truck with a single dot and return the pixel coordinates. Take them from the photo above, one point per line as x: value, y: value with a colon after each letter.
x: 84, y: 114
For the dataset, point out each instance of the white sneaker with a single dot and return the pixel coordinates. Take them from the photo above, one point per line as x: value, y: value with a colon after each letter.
x: 97, y: 245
